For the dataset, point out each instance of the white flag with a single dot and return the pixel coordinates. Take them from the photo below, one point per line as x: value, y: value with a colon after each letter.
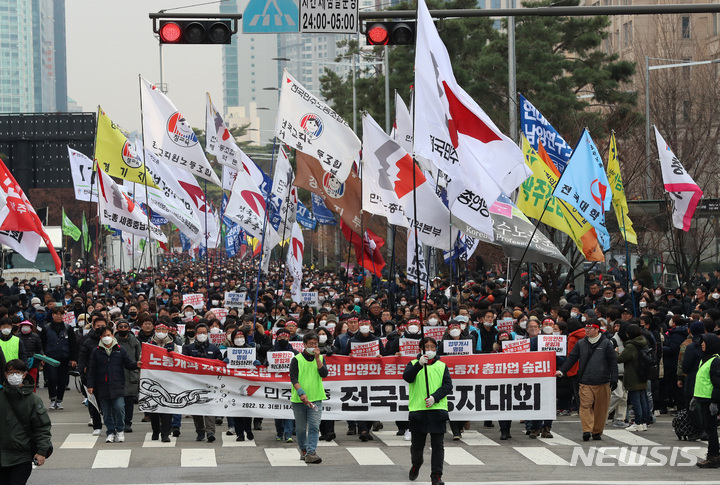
x: 170, y: 200
x: 403, y: 129
x: 393, y: 175
x: 219, y: 141
x: 296, y: 249
x: 228, y: 177
x: 119, y: 212
x: 170, y: 135
x: 416, y: 262
x: 307, y: 124
x: 192, y: 193
x: 81, y: 169
x: 683, y: 191
x: 457, y: 135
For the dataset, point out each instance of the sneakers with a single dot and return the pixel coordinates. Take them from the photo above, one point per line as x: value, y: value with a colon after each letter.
x: 211, y: 438
x: 56, y: 405
x: 96, y: 432
x: 52, y: 404
x: 637, y: 427
x: 90, y: 423
x: 312, y: 458
x: 656, y: 413
x: 200, y: 437
x: 505, y: 435
x: 176, y: 432
x: 351, y: 431
x: 564, y: 412
x: 408, y: 435
x: 545, y: 433
x: 110, y: 438
x: 120, y: 437
x: 289, y: 440
x: 303, y: 453
x: 597, y: 436
x: 619, y: 423
x: 230, y: 431
x: 436, y: 480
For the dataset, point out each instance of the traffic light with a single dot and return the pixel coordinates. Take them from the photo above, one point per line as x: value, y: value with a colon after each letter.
x: 390, y: 33
x: 195, y: 32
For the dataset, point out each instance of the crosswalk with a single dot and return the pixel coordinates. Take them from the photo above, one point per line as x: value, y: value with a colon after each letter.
x: 476, y: 449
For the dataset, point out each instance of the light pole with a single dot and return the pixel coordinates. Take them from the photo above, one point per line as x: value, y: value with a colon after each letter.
x: 648, y: 68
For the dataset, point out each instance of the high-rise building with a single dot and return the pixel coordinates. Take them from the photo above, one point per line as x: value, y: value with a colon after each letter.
x: 33, y: 72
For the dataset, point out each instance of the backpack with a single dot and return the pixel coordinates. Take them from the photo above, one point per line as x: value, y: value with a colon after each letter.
x: 647, y: 367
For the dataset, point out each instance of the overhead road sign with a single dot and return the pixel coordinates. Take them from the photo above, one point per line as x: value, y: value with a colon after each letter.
x: 329, y: 16
x: 270, y: 17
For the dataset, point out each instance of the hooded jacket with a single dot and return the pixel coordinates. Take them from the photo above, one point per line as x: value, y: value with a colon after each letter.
x: 630, y: 357
x: 712, y: 347
x: 600, y: 368
x: 106, y: 372
x: 16, y: 445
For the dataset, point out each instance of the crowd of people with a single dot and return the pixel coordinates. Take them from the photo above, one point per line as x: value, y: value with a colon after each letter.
x: 633, y: 353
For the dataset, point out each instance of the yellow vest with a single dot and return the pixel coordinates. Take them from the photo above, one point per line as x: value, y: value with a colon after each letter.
x: 10, y: 348
x: 418, y: 391
x: 309, y: 379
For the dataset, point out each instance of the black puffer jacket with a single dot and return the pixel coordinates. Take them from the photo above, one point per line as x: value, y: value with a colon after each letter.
x: 106, y: 373
x: 601, y: 368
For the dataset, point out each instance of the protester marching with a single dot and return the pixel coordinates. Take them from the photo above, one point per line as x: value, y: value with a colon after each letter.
x: 223, y: 332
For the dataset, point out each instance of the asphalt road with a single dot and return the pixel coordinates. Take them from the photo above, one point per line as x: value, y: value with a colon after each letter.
x: 655, y: 456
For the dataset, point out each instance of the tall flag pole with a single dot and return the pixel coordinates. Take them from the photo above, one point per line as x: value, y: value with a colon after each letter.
x: 618, y: 193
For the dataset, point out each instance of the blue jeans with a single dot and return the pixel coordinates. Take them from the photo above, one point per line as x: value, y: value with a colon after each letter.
x: 307, y: 422
x: 176, y: 420
x: 114, y: 414
x: 639, y: 402
x: 284, y: 428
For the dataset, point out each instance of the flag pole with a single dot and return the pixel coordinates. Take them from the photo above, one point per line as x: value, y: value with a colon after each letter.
x: 627, y: 258
x: 207, y: 249
x: 147, y: 199
x: 93, y: 175
x: 262, y: 238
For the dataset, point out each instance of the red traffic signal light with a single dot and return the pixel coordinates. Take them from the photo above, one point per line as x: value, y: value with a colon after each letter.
x: 390, y: 33
x: 195, y: 32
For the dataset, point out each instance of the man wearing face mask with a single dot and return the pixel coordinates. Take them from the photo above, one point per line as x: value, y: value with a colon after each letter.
x: 33, y: 345
x: 132, y: 346
x: 88, y: 343
x: 540, y: 428
x: 25, y: 429
x: 342, y: 342
x: 201, y: 348
x: 488, y: 332
x: 11, y: 345
x: 283, y: 427
x: 58, y: 340
x: 430, y: 383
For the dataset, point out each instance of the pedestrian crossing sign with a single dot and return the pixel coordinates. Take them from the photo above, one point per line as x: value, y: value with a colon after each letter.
x: 271, y: 17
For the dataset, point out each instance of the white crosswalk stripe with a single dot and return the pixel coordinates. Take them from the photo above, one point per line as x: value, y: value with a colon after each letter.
x: 475, y: 438
x: 629, y: 437
x: 541, y: 455
x: 390, y: 438
x: 284, y: 457
x: 149, y: 443
x: 460, y: 456
x: 112, y: 459
x: 558, y: 440
x: 229, y: 441
x: 369, y: 456
x: 80, y: 441
x: 197, y: 457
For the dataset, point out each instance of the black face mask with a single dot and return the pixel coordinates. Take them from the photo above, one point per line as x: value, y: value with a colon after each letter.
x: 123, y: 333
x: 132, y: 314
x: 190, y: 333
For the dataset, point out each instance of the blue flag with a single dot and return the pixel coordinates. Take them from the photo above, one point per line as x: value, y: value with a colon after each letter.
x: 304, y: 217
x: 185, y: 242
x: 322, y: 213
x: 584, y: 185
x: 537, y: 128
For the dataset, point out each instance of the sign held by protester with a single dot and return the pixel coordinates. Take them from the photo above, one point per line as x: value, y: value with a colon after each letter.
x: 196, y: 300
x: 279, y: 361
x: 457, y: 347
x: 365, y: 349
x: 235, y: 299
x: 553, y: 343
x: 515, y: 346
x: 241, y: 357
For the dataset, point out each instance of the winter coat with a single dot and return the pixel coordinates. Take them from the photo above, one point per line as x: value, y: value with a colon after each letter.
x: 573, y: 339
x: 674, y: 338
x: 487, y: 339
x: 59, y: 342
x: 365, y: 338
x: 393, y: 345
x: 691, y: 364
x: 33, y: 345
x: 630, y: 357
x: 16, y: 445
x: 87, y: 345
x: 132, y: 377
x: 601, y: 368
x: 204, y: 350
x: 106, y: 373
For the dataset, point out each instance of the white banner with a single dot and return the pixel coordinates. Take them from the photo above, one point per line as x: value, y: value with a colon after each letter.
x: 485, y: 387
x: 310, y: 298
x: 307, y: 124
x: 235, y: 299
x: 295, y: 261
x: 458, y: 347
x: 365, y: 349
x: 196, y: 300
x: 516, y: 346
x: 241, y: 357
x: 279, y: 361
x: 553, y: 343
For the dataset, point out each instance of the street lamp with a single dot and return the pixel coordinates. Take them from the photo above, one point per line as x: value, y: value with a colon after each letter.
x: 648, y: 68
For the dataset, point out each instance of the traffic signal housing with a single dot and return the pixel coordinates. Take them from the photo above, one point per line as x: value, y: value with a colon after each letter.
x: 195, y: 32
x: 390, y: 33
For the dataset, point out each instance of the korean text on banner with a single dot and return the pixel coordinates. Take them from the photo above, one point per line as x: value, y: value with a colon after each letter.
x: 486, y: 386
x: 409, y: 347
x: 235, y: 299
x: 196, y: 300
x: 241, y: 357
x: 279, y: 361
x: 553, y: 343
x: 457, y: 347
x: 434, y: 332
x: 365, y: 349
x: 515, y: 346
x: 505, y: 324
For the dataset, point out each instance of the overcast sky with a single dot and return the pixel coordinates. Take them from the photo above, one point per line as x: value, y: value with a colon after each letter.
x: 110, y: 43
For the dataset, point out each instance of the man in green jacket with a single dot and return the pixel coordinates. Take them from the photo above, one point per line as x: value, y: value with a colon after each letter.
x: 24, y: 427
x: 430, y: 383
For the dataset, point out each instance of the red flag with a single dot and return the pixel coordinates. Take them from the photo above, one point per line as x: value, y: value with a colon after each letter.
x: 21, y: 215
x: 368, y: 252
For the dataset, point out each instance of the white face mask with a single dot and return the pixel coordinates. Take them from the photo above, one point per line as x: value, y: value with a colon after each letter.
x: 161, y: 335
x: 547, y: 330
x: 488, y: 324
x: 716, y: 295
x: 107, y: 340
x: 322, y: 338
x: 621, y: 294
x: 215, y: 330
x: 311, y: 325
x: 322, y: 323
x: 582, y: 319
x: 202, y: 337
x: 189, y: 314
x: 455, y: 332
x: 643, y: 304
x: 25, y: 329
x: 573, y: 315
x: 608, y: 298
x: 635, y: 288
x: 331, y: 326
x: 567, y: 291
x: 310, y: 350
x: 364, y: 329
x: 6, y: 331
x: 356, y: 300
x: 215, y: 302
x: 523, y: 324
x: 120, y: 304
x: 557, y: 333
x: 239, y: 342
x: 413, y: 329
x: 658, y: 292
x: 463, y: 326
x: 15, y: 379
x: 331, y: 293
x: 403, y: 303
x: 430, y: 354
x: 432, y: 321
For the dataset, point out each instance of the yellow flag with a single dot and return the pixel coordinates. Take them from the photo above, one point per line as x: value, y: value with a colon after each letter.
x: 116, y: 155
x: 618, y: 194
x: 537, y: 190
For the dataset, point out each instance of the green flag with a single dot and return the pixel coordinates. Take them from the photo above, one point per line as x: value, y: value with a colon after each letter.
x: 68, y: 228
x: 86, y: 234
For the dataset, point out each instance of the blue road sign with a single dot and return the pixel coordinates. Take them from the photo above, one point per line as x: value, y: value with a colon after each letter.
x: 270, y: 17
